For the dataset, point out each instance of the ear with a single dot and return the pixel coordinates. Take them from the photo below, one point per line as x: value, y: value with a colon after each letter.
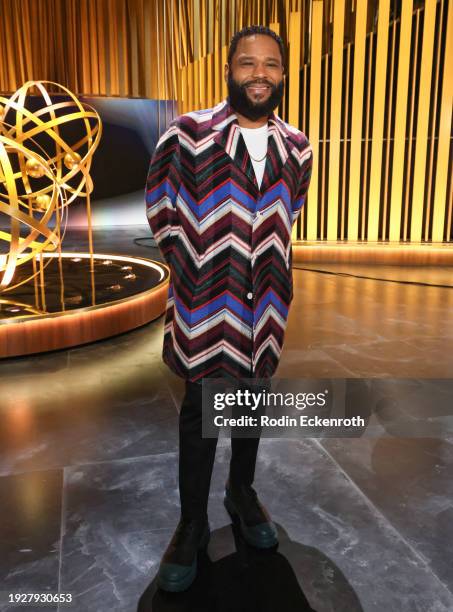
x: 226, y: 70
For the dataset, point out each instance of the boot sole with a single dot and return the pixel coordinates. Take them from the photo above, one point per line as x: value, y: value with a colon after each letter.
x: 234, y: 514
x: 176, y: 586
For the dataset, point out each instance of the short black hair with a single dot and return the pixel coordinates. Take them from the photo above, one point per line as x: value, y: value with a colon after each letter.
x: 256, y: 29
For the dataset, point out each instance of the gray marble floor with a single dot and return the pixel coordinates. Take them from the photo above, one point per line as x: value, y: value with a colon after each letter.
x: 88, y: 466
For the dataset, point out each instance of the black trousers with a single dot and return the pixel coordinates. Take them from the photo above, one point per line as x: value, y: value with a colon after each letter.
x: 197, y: 454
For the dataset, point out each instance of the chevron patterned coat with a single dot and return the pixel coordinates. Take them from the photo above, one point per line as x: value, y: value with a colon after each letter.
x: 227, y: 242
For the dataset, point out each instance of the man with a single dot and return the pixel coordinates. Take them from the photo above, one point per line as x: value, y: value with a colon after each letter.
x: 224, y: 188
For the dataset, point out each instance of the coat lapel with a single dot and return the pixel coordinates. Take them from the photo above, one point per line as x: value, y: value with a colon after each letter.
x: 278, y: 149
x: 229, y: 137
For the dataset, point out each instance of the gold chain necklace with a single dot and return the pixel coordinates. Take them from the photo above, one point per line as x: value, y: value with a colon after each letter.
x: 258, y: 160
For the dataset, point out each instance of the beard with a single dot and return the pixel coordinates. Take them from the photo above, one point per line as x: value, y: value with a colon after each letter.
x: 240, y: 101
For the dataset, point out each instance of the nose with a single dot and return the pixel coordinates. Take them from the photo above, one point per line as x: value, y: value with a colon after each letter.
x: 259, y: 71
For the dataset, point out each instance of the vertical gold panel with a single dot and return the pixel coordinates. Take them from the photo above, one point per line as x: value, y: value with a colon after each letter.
x: 345, y: 145
x: 224, y: 61
x: 365, y: 157
x: 294, y: 68
x: 218, y: 65
x: 148, y: 53
x: 91, y: 35
x: 449, y: 213
x: 8, y: 75
x: 124, y: 54
x: 275, y: 27
x: 431, y: 139
x: 187, y: 89
x: 422, y: 120
x: 325, y: 146
x: 196, y: 85
x: 101, y: 45
x: 209, y: 80
x: 223, y: 21
x: 378, y: 120
x: 203, y: 83
x: 315, y: 98
x: 85, y: 49
x: 443, y: 150
x: 356, y: 118
x: 411, y: 126
x: 211, y: 25
x: 389, y: 97
x: 190, y: 87
x: 335, y: 119
x: 175, y: 89
x: 233, y: 10
x: 183, y: 85
x: 294, y: 77
x: 323, y: 153
x: 203, y: 19
x: 304, y: 102
x: 304, y: 129
x: 240, y: 17
x: 157, y: 56
x: 400, y: 120
x: 183, y: 34
x: 196, y: 28
x: 113, y: 53
x: 160, y: 127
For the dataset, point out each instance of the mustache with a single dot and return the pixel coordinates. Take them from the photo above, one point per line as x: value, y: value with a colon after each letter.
x: 257, y: 83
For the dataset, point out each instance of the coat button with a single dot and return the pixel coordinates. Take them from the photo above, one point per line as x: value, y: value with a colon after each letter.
x: 249, y: 295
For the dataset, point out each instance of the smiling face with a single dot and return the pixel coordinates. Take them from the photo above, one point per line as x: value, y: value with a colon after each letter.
x: 255, y: 76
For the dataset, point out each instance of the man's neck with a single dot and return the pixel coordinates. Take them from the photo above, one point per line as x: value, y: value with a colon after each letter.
x: 248, y: 123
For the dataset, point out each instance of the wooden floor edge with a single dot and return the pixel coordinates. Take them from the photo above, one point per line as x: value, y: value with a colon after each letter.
x: 54, y: 333
x: 377, y: 253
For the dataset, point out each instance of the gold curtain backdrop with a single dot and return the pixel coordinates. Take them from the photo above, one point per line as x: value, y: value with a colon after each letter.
x: 370, y: 82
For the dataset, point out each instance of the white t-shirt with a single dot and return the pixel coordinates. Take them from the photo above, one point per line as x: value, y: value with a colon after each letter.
x: 256, y: 142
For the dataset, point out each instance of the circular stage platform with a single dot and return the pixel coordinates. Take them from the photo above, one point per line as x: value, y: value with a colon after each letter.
x: 79, y: 298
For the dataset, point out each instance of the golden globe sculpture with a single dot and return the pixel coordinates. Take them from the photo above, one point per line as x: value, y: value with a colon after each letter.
x: 30, y: 230
x: 43, y: 168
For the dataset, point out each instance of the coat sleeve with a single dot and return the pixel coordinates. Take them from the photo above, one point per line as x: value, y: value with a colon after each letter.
x: 304, y: 180
x: 164, y: 176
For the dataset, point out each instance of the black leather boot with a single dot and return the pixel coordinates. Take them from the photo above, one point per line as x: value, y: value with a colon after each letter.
x: 242, y: 502
x: 178, y: 566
